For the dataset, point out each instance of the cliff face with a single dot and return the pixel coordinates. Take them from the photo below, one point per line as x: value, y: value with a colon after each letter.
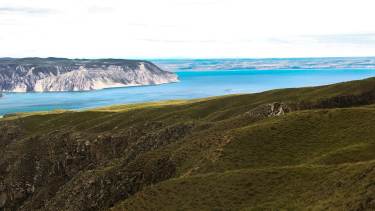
x: 54, y: 74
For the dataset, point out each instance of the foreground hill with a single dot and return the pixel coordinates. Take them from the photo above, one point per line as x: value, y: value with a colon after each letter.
x: 308, y: 148
x: 60, y: 74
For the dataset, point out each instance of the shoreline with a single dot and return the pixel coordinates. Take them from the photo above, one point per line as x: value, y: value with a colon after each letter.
x: 160, y: 102
x: 190, y: 86
x: 92, y: 90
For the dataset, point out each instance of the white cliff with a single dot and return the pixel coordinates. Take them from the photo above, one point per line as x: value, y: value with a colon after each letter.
x: 79, y: 75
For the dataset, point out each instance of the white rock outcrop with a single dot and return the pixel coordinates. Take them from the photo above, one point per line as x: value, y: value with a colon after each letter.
x: 72, y: 75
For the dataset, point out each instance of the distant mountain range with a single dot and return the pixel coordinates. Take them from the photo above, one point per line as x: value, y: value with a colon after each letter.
x: 60, y: 74
x: 291, y: 63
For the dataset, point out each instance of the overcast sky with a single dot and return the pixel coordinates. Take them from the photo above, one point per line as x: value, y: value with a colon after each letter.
x: 186, y: 28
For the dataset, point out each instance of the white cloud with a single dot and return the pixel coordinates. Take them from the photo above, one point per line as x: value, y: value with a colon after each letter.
x: 28, y: 10
x: 186, y: 28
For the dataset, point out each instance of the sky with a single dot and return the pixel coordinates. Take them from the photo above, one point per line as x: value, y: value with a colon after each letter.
x: 187, y: 28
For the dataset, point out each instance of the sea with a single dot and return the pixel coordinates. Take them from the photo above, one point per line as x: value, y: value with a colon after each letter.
x: 198, y: 79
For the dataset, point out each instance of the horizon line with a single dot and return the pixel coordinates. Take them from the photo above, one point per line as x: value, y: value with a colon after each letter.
x: 191, y: 58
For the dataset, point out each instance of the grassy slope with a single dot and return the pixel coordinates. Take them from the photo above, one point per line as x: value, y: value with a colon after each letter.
x: 316, y: 159
x: 313, y: 159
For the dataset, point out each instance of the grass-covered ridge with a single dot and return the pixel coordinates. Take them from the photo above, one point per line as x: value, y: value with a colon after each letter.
x: 298, y: 149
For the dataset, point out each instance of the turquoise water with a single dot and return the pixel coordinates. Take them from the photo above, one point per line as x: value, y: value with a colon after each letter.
x: 194, y: 84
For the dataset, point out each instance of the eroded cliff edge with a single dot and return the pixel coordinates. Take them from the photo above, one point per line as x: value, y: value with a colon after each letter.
x: 60, y: 74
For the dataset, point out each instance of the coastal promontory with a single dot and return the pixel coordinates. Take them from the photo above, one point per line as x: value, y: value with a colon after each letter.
x: 61, y: 74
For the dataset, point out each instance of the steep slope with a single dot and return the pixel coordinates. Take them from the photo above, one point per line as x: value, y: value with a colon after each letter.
x: 310, y: 148
x: 55, y: 74
x: 314, y: 160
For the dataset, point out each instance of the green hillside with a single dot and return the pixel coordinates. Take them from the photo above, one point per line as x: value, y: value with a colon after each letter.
x: 289, y: 149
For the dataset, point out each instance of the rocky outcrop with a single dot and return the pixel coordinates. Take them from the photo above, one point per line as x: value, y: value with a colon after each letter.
x: 339, y: 101
x: 269, y: 110
x: 52, y: 74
